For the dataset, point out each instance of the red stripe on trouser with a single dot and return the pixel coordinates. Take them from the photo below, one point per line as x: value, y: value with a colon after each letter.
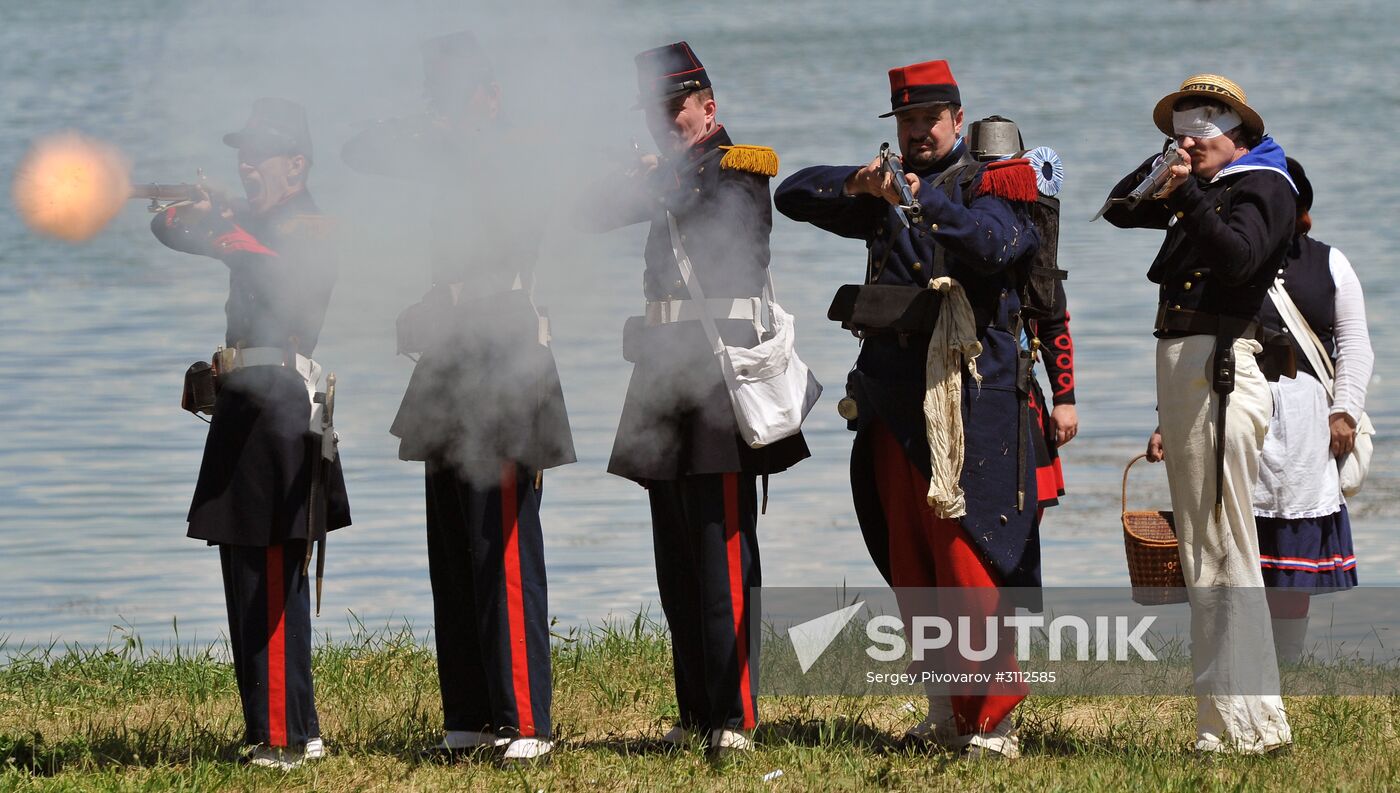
x: 276, y: 649
x: 515, y: 602
x: 926, y: 550
x: 738, y: 595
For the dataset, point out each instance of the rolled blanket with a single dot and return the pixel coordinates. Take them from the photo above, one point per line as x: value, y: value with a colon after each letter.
x: 954, y: 338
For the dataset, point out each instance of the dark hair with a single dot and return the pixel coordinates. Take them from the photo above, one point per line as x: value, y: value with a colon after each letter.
x: 1246, y: 137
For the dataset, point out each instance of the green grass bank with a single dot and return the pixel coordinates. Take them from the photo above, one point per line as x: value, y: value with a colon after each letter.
x: 125, y: 718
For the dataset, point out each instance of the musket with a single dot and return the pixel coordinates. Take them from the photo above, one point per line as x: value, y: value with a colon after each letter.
x: 910, y: 210
x: 163, y: 196
x: 1153, y: 182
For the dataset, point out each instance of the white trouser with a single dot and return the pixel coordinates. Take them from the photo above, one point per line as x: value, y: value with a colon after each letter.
x: 1232, y: 645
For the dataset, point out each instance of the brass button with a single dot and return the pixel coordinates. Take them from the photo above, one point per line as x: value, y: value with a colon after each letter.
x: 918, y: 266
x: 1002, y: 519
x: 1187, y: 286
x: 1180, y: 215
x: 933, y: 227
x: 1177, y: 306
x: 1217, y: 209
x: 1197, y: 274
x: 702, y: 169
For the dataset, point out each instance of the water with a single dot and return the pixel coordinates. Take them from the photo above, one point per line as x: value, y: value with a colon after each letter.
x: 97, y: 462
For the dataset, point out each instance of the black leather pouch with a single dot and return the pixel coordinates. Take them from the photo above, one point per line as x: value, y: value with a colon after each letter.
x: 201, y: 388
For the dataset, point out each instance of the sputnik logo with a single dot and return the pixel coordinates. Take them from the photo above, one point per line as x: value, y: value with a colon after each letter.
x: 811, y: 638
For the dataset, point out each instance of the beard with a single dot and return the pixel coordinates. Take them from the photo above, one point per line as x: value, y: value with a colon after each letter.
x: 921, y: 159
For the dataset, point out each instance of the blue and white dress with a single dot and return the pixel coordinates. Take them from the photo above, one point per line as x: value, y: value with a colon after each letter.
x: 1304, y: 533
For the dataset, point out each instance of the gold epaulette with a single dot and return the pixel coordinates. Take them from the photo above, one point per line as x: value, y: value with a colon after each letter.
x: 753, y: 159
x: 310, y: 225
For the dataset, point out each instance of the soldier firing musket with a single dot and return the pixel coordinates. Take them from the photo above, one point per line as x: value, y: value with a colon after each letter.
x: 270, y: 484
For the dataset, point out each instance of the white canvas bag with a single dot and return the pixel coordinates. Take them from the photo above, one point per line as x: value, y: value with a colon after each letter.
x: 1352, y: 468
x: 770, y: 388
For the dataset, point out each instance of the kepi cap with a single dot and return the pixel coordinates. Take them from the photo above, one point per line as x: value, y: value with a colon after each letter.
x: 922, y: 85
x: 665, y: 73
x: 1208, y: 86
x: 276, y: 125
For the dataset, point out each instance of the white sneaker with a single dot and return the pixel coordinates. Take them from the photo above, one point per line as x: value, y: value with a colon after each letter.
x: 282, y: 758
x: 1000, y: 743
x: 678, y: 736
x: 1209, y: 744
x: 729, y: 742
x: 527, y: 750
x: 316, y: 749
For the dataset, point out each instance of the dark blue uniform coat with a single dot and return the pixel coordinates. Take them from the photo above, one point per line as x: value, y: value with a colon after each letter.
x: 982, y: 236
x: 677, y: 420
x: 485, y: 389
x: 255, y: 478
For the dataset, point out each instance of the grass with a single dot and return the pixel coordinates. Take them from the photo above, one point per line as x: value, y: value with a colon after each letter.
x: 129, y: 718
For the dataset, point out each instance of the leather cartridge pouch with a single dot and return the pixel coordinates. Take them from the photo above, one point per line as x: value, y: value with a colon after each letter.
x: 201, y: 387
x: 885, y: 307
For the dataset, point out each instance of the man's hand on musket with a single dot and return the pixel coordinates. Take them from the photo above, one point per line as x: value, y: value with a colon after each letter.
x: 1179, y: 174
x: 645, y: 164
x: 210, y: 200
x: 874, y: 180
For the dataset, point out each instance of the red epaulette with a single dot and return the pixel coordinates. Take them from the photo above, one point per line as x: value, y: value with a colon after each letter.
x: 1013, y: 180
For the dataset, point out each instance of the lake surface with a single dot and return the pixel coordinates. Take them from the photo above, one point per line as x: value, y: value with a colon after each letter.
x: 97, y: 462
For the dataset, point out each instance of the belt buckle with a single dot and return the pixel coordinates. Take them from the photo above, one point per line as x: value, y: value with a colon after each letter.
x: 225, y: 359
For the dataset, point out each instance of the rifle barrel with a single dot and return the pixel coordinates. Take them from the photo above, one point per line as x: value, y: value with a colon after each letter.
x: 165, y: 192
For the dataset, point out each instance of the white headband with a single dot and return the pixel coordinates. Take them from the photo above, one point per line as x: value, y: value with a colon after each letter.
x: 1208, y: 121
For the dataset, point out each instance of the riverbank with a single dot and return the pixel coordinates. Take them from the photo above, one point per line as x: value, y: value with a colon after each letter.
x: 126, y: 718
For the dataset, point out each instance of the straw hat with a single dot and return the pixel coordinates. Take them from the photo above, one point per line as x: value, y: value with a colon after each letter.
x: 1210, y: 86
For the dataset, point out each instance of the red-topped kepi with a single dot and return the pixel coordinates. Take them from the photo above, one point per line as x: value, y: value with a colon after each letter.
x: 667, y: 72
x: 922, y: 85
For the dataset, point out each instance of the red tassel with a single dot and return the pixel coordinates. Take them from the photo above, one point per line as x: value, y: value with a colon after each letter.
x: 1013, y: 180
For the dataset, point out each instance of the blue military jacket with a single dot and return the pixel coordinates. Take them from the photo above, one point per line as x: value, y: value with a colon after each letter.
x: 981, y: 236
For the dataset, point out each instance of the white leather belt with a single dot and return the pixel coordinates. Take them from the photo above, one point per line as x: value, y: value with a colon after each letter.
x: 229, y: 359
x: 660, y: 312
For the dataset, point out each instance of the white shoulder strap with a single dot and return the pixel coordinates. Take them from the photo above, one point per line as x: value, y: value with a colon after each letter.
x: 1313, y: 348
x: 692, y: 285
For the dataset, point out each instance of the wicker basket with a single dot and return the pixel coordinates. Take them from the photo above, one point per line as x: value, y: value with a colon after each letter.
x: 1154, y: 565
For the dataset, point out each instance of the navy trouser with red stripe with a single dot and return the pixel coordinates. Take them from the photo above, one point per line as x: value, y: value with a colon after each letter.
x: 269, y: 620
x: 704, y: 531
x: 490, y: 604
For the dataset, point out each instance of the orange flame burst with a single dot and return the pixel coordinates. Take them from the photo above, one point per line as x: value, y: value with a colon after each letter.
x: 70, y: 186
